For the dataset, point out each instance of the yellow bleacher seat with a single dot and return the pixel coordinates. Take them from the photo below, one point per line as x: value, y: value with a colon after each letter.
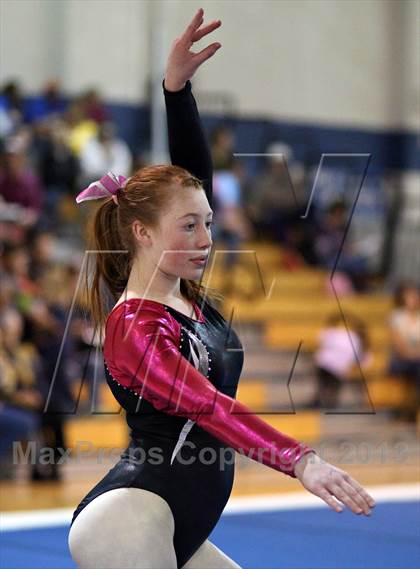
x: 253, y: 394
x: 303, y: 425
x: 102, y: 431
x: 388, y: 392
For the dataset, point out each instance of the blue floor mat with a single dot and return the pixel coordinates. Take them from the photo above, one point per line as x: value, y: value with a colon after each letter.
x: 287, y: 539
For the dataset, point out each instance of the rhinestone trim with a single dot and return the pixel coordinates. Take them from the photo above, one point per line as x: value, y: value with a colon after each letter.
x: 203, y: 353
x: 121, y: 385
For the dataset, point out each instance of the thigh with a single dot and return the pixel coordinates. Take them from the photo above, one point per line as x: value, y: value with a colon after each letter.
x: 124, y: 528
x: 208, y: 556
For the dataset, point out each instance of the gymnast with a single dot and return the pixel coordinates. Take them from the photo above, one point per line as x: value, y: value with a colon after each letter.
x: 173, y: 362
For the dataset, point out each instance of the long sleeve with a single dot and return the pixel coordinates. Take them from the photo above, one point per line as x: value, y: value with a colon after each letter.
x: 188, y: 145
x: 141, y: 352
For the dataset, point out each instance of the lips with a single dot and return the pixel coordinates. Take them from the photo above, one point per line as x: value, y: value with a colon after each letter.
x: 201, y: 258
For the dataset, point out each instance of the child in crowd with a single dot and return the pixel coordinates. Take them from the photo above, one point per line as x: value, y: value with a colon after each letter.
x: 405, y: 343
x: 342, y: 344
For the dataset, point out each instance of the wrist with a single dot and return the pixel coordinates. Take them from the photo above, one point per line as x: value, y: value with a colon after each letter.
x: 173, y: 85
x: 301, y: 463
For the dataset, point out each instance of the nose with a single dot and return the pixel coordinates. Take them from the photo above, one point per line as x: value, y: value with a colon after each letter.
x: 205, y: 241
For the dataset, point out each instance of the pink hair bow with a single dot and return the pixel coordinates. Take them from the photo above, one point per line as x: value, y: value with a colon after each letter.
x: 107, y: 186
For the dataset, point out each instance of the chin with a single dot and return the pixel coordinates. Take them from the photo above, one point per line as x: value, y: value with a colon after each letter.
x: 189, y: 272
x: 194, y: 275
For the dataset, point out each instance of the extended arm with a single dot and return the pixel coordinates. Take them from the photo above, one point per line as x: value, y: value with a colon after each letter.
x: 148, y: 361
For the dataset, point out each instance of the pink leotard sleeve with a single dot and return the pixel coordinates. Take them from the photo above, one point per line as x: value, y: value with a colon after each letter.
x: 141, y: 350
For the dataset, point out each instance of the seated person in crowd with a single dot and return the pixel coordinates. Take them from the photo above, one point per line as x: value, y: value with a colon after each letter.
x: 405, y: 341
x: 20, y: 397
x: 342, y: 345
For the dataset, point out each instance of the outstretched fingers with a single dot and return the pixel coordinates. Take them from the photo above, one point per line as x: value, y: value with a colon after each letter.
x: 193, y: 26
x: 365, y: 500
x: 367, y: 497
x: 349, y: 492
x: 330, y: 500
x: 206, y: 53
x: 351, y: 498
x: 198, y: 34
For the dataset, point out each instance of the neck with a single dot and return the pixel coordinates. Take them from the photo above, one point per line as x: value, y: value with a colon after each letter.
x: 147, y: 281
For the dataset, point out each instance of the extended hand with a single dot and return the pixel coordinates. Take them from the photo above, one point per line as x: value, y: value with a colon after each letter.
x: 332, y: 484
x: 183, y: 63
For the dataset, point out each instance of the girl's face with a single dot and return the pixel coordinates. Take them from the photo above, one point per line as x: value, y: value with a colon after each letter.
x: 184, y: 233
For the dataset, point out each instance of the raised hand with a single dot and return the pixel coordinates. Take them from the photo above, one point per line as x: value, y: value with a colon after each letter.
x: 333, y: 485
x: 182, y: 62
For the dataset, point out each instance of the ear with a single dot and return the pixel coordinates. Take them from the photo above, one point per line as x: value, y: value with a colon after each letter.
x: 141, y: 233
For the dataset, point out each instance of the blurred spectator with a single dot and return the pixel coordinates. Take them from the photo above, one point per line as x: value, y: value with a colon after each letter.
x: 329, y: 245
x: 105, y: 153
x: 231, y: 225
x: 340, y: 348
x: 14, y: 222
x: 405, y: 342
x: 81, y: 127
x: 7, y: 125
x: 48, y: 332
x: 19, y: 387
x: 95, y: 108
x: 26, y: 295
x: 276, y: 200
x: 58, y: 166
x: 19, y: 184
x: 51, y: 103
x: 6, y: 289
x: 41, y: 247
x: 88, y: 356
x: 11, y: 109
x: 15, y: 263
x: 20, y: 373
x: 222, y: 143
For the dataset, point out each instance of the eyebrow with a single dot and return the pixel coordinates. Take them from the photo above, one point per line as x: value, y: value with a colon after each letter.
x: 194, y: 215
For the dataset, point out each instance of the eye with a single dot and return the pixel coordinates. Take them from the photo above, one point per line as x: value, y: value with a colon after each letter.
x: 190, y: 226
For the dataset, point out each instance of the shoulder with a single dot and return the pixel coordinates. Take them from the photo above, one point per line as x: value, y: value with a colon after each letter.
x: 141, y: 313
x: 134, y: 324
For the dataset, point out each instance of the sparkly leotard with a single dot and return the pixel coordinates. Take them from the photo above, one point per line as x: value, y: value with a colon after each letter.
x: 176, y: 376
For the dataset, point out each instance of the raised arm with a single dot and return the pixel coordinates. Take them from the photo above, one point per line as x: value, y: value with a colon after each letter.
x: 187, y: 141
x: 188, y: 145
